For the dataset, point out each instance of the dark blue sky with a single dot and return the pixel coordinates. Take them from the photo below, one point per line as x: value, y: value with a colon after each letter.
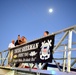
x: 31, y: 18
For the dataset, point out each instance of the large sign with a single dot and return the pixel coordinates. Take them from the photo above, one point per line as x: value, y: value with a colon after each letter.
x: 35, y: 52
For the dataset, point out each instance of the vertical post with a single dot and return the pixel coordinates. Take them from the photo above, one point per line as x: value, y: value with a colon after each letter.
x: 69, y: 52
x: 37, y: 68
x: 64, y: 60
x: 1, y: 58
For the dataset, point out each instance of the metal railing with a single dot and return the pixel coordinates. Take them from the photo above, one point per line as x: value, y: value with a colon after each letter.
x: 66, y: 51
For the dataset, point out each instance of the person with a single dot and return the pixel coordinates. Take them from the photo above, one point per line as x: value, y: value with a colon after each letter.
x: 23, y: 39
x: 18, y: 41
x: 11, y: 45
x: 46, y: 33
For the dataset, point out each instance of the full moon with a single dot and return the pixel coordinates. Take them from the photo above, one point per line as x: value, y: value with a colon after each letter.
x: 50, y: 10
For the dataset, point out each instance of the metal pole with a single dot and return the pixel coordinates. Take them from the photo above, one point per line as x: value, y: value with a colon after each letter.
x: 1, y: 58
x: 73, y: 62
x: 74, y: 31
x: 37, y: 69
x: 66, y: 33
x: 5, y: 58
x: 69, y: 52
x: 57, y: 65
x: 64, y: 60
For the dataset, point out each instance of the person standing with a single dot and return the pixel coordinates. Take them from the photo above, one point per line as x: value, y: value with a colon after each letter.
x: 24, y: 40
x: 11, y: 45
x: 18, y: 41
x: 46, y: 33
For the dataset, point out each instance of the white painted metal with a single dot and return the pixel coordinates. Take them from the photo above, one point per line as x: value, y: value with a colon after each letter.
x: 66, y: 33
x: 13, y: 71
x: 74, y: 31
x: 55, y: 72
x: 73, y: 62
x: 69, y: 52
x: 73, y: 49
x: 64, y: 61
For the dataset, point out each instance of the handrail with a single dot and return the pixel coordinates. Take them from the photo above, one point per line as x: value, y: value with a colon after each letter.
x: 58, y: 32
x: 55, y: 33
x: 73, y: 43
x: 4, y: 51
x: 35, y: 71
